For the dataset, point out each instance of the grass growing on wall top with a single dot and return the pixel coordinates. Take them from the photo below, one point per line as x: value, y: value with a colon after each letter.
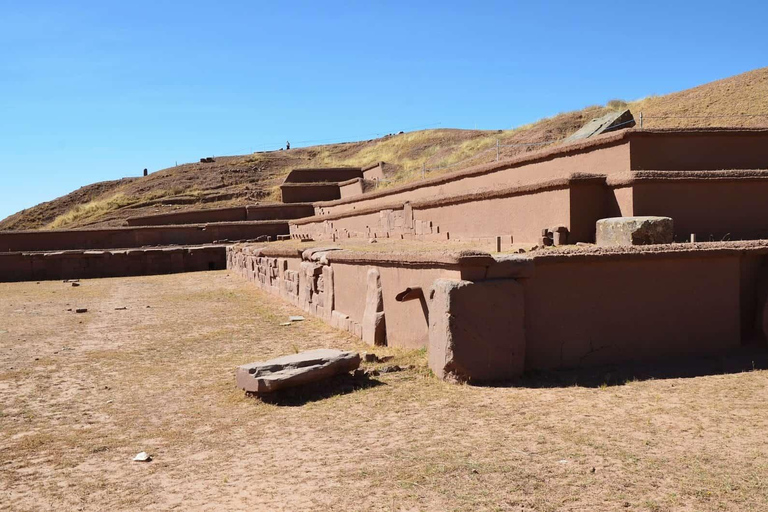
x: 82, y: 213
x: 91, y: 210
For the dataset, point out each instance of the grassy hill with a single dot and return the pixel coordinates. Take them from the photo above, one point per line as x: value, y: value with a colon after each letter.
x: 246, y: 179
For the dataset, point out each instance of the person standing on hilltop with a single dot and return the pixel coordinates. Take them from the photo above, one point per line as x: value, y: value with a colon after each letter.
x: 287, y: 145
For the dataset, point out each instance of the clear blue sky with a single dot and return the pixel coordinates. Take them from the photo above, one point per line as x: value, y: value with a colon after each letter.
x: 91, y: 91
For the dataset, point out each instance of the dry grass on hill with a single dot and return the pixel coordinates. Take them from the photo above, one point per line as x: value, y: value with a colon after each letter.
x: 245, y: 179
x: 80, y: 395
x: 741, y: 100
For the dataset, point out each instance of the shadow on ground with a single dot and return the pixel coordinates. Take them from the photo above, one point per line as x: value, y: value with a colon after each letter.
x: 745, y: 359
x: 300, y: 395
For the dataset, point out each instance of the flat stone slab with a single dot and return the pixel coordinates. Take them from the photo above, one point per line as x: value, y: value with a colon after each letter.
x: 295, y: 370
x: 610, y: 122
x: 618, y: 231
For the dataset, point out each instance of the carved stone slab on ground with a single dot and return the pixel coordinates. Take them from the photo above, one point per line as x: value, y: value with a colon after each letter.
x: 295, y: 370
x: 617, y: 231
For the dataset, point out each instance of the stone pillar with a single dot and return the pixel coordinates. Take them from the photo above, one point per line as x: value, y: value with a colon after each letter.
x: 305, y: 276
x: 476, y: 330
x: 374, y: 328
x: 408, y: 216
x: 329, y: 299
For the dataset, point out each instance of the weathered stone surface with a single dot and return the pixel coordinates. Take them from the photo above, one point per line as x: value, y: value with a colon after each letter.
x: 339, y: 320
x: 610, y: 122
x: 408, y: 215
x: 476, y: 330
x: 305, y: 285
x: 374, y: 328
x: 618, y: 231
x: 314, y: 253
x: 329, y: 297
x: 559, y: 235
x: 295, y: 370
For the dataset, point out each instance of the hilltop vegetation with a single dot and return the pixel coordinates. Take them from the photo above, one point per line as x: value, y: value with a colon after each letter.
x: 246, y: 179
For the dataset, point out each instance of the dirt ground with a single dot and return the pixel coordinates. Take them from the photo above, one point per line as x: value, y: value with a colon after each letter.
x: 81, y: 394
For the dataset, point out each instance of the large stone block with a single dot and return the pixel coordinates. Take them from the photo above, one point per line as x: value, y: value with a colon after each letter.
x: 374, y: 328
x: 476, y: 330
x: 295, y: 369
x: 617, y: 231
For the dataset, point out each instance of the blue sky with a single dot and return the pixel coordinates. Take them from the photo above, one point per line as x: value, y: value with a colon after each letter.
x: 91, y: 91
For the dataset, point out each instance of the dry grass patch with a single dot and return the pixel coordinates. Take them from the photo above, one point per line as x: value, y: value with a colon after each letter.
x: 90, y: 210
x: 81, y: 214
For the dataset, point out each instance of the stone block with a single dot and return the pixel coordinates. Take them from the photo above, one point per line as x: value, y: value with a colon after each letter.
x: 408, y: 215
x: 476, y: 330
x: 559, y: 235
x: 316, y: 253
x: 374, y: 328
x: 329, y: 292
x: 311, y: 269
x: 295, y: 369
x: 609, y: 122
x: 339, y: 320
x: 619, y: 231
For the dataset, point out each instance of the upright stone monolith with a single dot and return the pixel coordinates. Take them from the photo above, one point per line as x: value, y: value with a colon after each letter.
x: 374, y: 328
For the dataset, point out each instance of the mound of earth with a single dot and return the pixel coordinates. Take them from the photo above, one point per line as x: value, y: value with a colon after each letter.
x: 248, y: 179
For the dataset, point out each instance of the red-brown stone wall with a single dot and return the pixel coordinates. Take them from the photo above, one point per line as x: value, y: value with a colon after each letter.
x: 21, y: 266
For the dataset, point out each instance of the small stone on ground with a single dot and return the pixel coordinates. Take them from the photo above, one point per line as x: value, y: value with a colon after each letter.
x: 142, y: 457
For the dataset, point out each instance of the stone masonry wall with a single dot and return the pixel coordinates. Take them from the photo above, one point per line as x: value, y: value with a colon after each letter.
x: 21, y: 266
x: 310, y: 288
x: 490, y: 218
